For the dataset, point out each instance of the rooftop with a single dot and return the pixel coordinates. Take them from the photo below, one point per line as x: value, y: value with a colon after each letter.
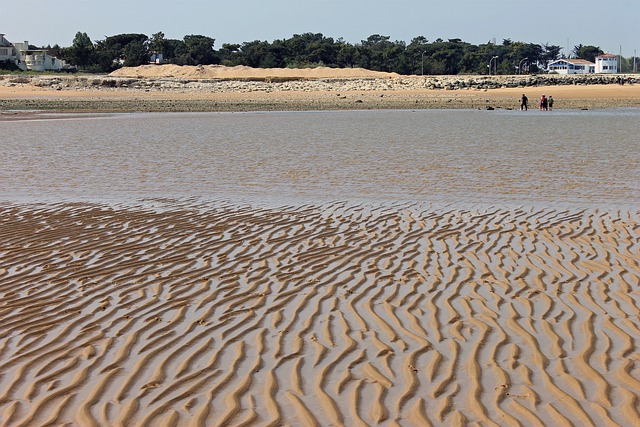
x: 575, y: 61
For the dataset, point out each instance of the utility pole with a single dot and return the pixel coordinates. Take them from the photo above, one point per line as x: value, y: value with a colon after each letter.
x: 496, y: 66
x: 520, y: 65
x: 620, y: 60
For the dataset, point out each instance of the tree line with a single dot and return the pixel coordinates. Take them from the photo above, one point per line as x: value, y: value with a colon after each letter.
x: 377, y: 53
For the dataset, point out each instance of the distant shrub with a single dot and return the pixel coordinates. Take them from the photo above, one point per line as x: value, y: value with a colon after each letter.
x: 20, y: 80
x: 8, y: 65
x: 304, y: 64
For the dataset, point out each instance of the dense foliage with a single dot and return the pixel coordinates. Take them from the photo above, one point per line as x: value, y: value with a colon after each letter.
x: 377, y: 52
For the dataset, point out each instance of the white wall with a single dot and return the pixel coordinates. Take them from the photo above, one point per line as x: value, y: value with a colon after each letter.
x: 607, y: 65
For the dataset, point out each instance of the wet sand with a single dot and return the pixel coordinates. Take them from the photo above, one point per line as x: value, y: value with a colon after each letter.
x: 218, y: 314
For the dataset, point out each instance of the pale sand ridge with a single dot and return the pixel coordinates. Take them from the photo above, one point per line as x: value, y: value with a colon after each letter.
x: 341, y: 314
x: 244, y: 72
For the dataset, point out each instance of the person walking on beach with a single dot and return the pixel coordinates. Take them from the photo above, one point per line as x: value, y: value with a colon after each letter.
x: 550, y: 102
x: 544, y: 105
x: 523, y: 103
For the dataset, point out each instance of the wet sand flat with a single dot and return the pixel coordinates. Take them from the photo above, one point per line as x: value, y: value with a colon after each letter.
x: 587, y: 97
x: 339, y: 314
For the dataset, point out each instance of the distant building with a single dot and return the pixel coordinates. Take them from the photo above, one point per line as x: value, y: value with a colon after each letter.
x: 29, y: 59
x: 156, y: 58
x: 572, y: 66
x: 7, y: 51
x: 607, y: 64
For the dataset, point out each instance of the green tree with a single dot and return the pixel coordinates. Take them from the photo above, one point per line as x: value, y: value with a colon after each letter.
x: 446, y: 57
x: 310, y: 49
x: 200, y: 50
x: 262, y: 54
x: 174, y: 51
x: 347, y: 56
x: 127, y: 49
x: 549, y: 53
x: 230, y: 54
x: 588, y: 53
x: 380, y: 54
x: 81, y: 50
x: 377, y: 52
x: 158, y: 44
x: 415, y: 53
x: 470, y: 60
x: 54, y: 50
x: 136, y: 53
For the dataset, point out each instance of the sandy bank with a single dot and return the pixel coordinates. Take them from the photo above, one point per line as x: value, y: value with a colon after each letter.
x: 171, y: 88
x: 242, y: 72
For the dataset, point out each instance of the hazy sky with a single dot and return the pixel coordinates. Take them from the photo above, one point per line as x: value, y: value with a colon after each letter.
x: 609, y: 25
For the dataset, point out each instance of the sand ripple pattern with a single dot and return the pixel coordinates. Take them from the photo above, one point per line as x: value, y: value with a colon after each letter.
x: 318, y: 315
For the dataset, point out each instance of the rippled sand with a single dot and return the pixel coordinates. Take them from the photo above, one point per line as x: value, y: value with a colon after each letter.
x: 220, y: 314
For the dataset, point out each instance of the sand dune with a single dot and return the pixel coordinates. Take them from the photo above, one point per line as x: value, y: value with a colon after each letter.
x: 317, y: 315
x: 244, y: 72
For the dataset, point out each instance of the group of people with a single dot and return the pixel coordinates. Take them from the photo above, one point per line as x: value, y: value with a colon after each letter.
x: 545, y: 103
x: 622, y: 80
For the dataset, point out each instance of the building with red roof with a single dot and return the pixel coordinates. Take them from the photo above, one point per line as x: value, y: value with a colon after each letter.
x: 607, y: 64
x: 571, y: 66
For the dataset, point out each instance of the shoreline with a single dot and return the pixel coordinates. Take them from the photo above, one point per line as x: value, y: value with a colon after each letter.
x: 113, y: 94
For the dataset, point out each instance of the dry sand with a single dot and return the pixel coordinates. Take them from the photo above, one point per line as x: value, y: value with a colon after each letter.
x: 318, y: 315
x: 243, y: 72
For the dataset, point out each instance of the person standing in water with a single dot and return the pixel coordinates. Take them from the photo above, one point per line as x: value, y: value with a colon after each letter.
x: 524, y: 102
x: 544, y: 105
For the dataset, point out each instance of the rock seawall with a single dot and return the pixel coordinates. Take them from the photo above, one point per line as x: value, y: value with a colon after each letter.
x: 301, y: 84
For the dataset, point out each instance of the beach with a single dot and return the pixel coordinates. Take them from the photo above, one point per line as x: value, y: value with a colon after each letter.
x: 213, y: 263
x: 173, y: 88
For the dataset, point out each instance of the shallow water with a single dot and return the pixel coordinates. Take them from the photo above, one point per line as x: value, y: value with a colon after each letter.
x: 575, y: 157
x: 219, y: 313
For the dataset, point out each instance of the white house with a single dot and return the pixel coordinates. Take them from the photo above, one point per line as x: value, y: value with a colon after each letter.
x: 572, y: 66
x: 7, y: 51
x: 29, y: 59
x: 607, y: 64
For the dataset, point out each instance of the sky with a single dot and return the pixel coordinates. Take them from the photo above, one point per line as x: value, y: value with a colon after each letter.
x: 611, y: 25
